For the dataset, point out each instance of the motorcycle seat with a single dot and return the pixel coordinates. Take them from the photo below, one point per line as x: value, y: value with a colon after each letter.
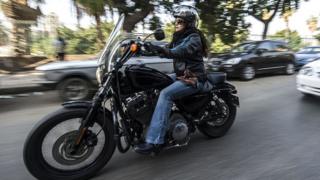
x: 216, y: 77
x: 213, y: 78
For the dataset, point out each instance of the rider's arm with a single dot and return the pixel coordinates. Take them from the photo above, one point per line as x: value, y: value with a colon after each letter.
x: 185, y: 49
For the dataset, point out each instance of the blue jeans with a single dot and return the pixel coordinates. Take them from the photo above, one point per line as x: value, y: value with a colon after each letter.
x: 159, y: 123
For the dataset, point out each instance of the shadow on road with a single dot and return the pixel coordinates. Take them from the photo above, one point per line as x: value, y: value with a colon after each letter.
x: 28, y: 100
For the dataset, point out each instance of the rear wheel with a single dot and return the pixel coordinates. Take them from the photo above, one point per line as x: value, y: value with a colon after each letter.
x: 218, y: 127
x: 48, y: 152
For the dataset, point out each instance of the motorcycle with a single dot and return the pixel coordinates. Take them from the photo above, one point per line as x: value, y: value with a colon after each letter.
x: 78, y: 140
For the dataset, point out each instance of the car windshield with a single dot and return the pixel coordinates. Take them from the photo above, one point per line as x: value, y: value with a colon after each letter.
x: 245, y: 47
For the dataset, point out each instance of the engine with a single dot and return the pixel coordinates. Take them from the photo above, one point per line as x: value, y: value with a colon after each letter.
x: 179, y: 130
x: 141, y: 106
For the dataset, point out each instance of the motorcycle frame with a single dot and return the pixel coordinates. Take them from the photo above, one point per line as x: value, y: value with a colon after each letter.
x: 105, y: 92
x: 111, y: 91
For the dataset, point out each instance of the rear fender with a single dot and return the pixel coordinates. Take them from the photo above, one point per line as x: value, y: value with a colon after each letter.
x: 229, y: 90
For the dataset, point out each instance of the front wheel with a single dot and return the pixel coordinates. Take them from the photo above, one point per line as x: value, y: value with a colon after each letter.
x: 218, y: 127
x: 48, y: 154
x: 247, y: 73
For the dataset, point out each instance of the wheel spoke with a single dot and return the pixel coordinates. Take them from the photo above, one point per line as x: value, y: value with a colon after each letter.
x: 57, y: 143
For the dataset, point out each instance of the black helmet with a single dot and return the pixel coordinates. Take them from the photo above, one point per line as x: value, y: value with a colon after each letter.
x: 187, y: 13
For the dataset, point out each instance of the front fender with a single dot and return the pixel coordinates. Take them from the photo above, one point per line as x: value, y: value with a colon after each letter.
x: 86, y: 105
x: 77, y: 104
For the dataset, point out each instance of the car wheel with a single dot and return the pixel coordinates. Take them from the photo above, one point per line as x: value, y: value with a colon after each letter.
x: 289, y: 69
x: 74, y: 89
x: 248, y: 73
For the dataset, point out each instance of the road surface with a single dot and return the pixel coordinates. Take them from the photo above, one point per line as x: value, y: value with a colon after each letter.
x: 275, y: 136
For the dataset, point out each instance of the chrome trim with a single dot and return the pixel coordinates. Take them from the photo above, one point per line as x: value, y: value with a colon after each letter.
x: 272, y: 68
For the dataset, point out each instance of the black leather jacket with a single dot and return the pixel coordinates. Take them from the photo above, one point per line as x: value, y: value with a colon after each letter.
x: 187, y: 54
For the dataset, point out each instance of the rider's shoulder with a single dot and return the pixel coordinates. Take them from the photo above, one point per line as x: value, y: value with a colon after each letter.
x: 194, y: 37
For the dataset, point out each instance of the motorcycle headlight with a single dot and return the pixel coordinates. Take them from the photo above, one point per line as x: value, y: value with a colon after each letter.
x: 232, y: 61
x: 307, y: 71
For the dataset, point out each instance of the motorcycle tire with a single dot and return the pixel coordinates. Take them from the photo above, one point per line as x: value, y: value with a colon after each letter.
x: 219, y: 131
x: 36, y: 160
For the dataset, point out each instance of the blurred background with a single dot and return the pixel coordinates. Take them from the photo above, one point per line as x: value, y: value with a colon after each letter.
x: 36, y: 32
x: 49, y: 51
x: 46, y: 45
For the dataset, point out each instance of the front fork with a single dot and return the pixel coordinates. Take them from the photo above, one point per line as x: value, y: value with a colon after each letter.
x: 92, y: 112
x: 88, y: 121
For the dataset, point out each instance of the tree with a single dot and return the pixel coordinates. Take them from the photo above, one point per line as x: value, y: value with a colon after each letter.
x: 222, y: 19
x: 293, y: 38
x: 83, y: 40
x: 317, y: 37
x: 94, y: 8
x: 285, y: 16
x: 137, y: 10
x: 265, y: 10
x: 312, y: 23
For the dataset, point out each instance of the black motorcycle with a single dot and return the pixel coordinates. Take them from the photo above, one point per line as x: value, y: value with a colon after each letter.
x: 76, y: 141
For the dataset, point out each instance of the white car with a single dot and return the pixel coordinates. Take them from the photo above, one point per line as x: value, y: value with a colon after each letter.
x: 308, y: 79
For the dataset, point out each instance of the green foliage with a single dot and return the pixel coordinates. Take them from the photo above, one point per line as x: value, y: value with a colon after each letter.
x: 223, y: 19
x: 84, y: 41
x: 42, y: 45
x: 154, y: 23
x: 216, y: 44
x: 80, y: 41
x: 92, y: 7
x: 317, y: 37
x: 265, y: 10
x: 292, y: 37
x: 168, y: 30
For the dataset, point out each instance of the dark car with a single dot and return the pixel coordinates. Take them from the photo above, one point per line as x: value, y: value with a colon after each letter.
x: 306, y: 55
x: 257, y: 57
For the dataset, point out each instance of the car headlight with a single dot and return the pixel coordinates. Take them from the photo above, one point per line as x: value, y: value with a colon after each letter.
x: 307, y: 71
x: 232, y: 61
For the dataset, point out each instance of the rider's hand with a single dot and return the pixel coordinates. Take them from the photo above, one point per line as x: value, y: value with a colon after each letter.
x: 157, y: 49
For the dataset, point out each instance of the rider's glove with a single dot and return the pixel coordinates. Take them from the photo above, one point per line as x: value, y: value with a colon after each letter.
x: 161, y: 51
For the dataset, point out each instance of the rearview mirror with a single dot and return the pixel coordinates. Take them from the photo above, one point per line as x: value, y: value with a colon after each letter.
x: 159, y: 34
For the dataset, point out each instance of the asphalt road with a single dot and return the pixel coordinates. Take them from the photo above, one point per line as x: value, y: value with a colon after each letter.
x: 275, y: 136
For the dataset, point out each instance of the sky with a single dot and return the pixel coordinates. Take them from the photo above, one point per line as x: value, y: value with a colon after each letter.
x: 66, y: 14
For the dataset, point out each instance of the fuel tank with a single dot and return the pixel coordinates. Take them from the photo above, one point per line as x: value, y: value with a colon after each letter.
x: 144, y: 78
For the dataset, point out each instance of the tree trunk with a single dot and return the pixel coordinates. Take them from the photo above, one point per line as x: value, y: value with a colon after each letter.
x: 265, y: 29
x: 98, y: 27
x: 131, y: 20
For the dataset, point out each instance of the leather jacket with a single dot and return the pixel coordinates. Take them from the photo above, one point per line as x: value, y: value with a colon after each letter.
x: 187, y: 54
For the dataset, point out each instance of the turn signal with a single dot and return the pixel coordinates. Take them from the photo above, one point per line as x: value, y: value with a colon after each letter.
x: 134, y: 47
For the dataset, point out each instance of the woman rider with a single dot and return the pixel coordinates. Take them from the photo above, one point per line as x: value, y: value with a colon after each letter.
x: 187, y: 48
